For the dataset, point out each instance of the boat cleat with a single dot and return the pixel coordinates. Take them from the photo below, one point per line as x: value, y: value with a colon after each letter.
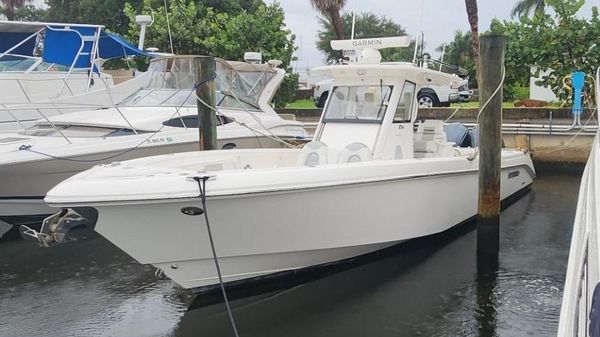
x: 56, y: 229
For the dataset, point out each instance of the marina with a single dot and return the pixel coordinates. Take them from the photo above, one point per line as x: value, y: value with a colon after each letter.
x: 209, y: 183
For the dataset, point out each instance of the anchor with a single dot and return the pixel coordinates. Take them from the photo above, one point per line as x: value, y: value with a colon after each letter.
x: 56, y: 229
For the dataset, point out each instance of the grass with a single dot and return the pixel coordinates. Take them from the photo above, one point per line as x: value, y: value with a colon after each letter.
x: 475, y: 104
x: 301, y: 104
x: 309, y: 104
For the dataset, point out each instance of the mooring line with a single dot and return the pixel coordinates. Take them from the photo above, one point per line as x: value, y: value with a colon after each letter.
x: 202, y: 187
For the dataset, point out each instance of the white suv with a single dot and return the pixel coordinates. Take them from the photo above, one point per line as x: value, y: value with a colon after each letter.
x: 428, y: 97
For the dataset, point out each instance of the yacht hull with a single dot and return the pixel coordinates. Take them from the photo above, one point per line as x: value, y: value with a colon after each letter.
x: 257, y: 234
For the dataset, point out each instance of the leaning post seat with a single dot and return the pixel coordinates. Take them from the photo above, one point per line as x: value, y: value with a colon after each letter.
x: 431, y: 140
x: 314, y: 153
x: 355, y: 153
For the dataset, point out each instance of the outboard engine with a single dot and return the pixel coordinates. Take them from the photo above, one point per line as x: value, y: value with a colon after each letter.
x: 458, y: 134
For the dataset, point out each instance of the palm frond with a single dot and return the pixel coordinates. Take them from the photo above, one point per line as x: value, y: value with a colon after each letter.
x: 526, y: 7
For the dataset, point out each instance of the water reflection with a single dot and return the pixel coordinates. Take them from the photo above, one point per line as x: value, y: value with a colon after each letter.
x: 391, y: 295
x: 85, y: 288
x: 487, y: 276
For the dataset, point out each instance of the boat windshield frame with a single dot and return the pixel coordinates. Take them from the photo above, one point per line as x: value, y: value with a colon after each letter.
x: 143, y: 93
x: 381, y: 103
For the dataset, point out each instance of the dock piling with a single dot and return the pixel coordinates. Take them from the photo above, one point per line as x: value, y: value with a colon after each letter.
x: 491, y: 62
x: 205, y: 68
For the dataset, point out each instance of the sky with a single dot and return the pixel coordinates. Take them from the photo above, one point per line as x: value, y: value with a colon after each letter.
x: 441, y: 18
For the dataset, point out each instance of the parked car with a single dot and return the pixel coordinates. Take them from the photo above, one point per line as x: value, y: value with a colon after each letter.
x: 438, y: 95
x: 321, y: 92
x: 430, y: 96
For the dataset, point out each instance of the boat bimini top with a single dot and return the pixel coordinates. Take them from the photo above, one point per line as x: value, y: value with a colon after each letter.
x: 27, y: 47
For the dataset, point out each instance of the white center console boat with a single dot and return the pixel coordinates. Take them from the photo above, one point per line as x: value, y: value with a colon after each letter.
x: 367, y: 181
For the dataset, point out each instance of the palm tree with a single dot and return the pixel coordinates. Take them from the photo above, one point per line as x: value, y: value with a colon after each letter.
x: 331, y: 9
x: 459, y: 51
x: 471, y: 6
x: 9, y: 7
x: 525, y: 7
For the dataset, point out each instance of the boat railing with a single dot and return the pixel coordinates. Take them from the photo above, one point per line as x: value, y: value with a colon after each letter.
x: 14, y: 110
x: 583, y: 275
x: 92, y: 54
x: 27, y: 88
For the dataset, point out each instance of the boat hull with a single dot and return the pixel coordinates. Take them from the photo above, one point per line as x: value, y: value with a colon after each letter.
x: 24, y: 185
x: 263, y: 233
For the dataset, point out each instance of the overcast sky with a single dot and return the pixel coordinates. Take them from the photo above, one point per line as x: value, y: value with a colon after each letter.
x: 441, y: 18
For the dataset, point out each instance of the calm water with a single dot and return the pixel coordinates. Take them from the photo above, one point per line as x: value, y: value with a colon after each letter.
x: 90, y: 288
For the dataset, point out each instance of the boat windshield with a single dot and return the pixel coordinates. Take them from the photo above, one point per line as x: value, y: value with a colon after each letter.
x: 160, y: 97
x: 239, y: 85
x: 177, y: 98
x: 363, y: 104
x: 17, y: 63
x: 75, y: 131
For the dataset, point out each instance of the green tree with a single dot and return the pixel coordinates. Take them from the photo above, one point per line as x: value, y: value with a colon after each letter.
x: 367, y: 25
x: 202, y: 30
x: 559, y: 43
x: 526, y: 7
x: 110, y: 12
x: 331, y: 9
x: 9, y: 7
x: 30, y: 13
x: 459, y: 52
x: 107, y: 12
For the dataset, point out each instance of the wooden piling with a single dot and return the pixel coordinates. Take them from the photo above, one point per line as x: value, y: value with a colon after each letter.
x: 205, y: 68
x: 491, y: 62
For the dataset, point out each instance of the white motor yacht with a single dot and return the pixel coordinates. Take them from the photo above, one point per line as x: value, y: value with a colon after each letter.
x: 367, y: 181
x: 158, y: 119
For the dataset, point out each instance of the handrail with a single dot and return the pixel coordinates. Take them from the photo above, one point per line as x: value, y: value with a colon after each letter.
x: 119, y: 111
x: 23, y: 83
x: 54, y: 126
x: 64, y: 80
x: 21, y: 43
x: 93, y: 56
x: 34, y: 65
x: 24, y: 91
x: 75, y: 58
x: 13, y: 116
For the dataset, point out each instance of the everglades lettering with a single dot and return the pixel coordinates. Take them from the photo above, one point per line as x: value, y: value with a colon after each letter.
x: 513, y: 174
